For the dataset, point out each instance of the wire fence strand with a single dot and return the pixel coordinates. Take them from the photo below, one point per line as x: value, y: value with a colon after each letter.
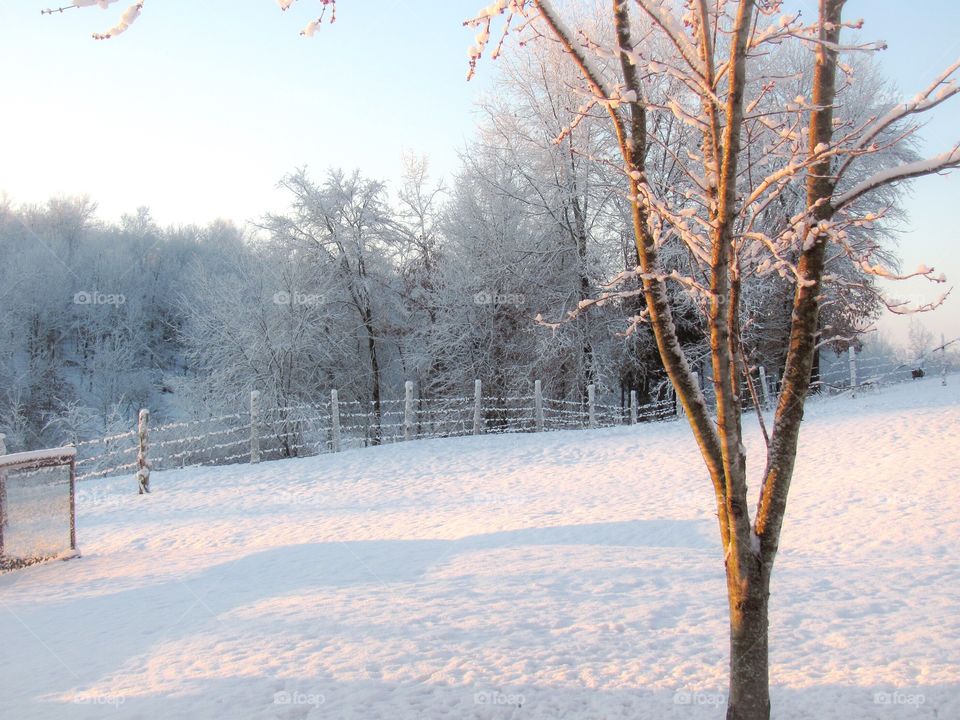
x: 309, y: 429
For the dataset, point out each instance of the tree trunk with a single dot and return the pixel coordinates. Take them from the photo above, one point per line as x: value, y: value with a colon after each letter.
x: 579, y: 232
x: 749, y: 672
x: 375, y: 371
x: 815, y: 379
x: 3, y: 493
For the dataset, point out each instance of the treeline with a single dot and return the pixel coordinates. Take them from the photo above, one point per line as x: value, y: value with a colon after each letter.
x: 518, y: 268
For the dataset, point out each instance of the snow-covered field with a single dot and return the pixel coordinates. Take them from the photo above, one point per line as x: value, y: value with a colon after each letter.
x: 561, y: 575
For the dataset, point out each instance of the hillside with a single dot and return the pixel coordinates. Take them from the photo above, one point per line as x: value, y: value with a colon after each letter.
x: 561, y: 575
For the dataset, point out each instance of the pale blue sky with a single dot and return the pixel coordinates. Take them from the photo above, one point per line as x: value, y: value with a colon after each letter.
x: 202, y: 106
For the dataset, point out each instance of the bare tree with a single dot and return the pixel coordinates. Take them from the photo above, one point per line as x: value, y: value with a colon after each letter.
x: 709, y: 47
x: 919, y: 341
x: 345, y: 225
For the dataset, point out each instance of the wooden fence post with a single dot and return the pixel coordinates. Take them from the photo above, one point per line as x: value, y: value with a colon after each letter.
x: 591, y: 406
x: 764, y: 387
x: 73, y: 498
x: 143, y: 461
x: 477, y: 390
x: 408, y: 410
x: 3, y: 492
x: 852, y: 353
x: 538, y: 404
x: 633, y: 407
x: 254, y: 426
x: 334, y: 422
x: 943, y: 360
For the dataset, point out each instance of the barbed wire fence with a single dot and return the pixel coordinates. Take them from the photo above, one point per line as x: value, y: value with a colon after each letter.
x: 258, y: 433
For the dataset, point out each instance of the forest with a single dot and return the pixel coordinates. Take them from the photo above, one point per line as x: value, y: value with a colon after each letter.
x: 520, y: 267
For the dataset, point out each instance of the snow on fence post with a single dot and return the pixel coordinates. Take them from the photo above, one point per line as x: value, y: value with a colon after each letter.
x: 591, y: 405
x: 852, y: 353
x: 143, y: 462
x: 538, y: 404
x: 3, y: 492
x: 477, y: 389
x: 334, y: 422
x: 764, y: 387
x: 633, y: 407
x: 73, y: 497
x: 254, y: 426
x: 943, y: 367
x: 408, y: 410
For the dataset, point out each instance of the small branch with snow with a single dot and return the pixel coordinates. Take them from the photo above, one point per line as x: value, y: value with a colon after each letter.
x: 127, y: 19
x: 919, y: 168
x: 130, y: 15
x: 902, y: 307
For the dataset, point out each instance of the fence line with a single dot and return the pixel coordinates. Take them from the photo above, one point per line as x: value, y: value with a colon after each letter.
x: 269, y: 433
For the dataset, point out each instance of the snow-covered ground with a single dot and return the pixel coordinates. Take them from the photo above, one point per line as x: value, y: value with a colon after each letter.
x: 561, y: 575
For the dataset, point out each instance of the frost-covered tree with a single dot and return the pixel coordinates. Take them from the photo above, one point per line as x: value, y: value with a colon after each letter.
x: 89, y: 322
x: 715, y: 50
x: 345, y: 228
x: 919, y: 341
x: 418, y: 220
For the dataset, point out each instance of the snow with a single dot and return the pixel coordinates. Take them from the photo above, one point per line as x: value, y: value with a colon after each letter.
x: 945, y: 160
x: 559, y: 575
x: 37, y: 456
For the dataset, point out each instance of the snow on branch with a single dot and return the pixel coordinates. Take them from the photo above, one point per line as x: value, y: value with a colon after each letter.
x: 312, y: 26
x: 922, y: 271
x: 919, y: 168
x: 613, y: 290
x: 776, y: 261
x: 130, y: 15
x: 102, y: 4
x: 592, y: 74
x: 127, y: 18
x: 941, y: 89
x: 484, y: 21
x: 810, y: 34
x: 902, y: 307
x: 663, y: 15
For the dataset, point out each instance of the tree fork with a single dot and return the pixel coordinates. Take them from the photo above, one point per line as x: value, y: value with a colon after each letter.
x: 806, y: 306
x: 633, y: 149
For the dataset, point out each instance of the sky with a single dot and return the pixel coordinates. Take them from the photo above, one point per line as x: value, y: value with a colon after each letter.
x: 204, y: 105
